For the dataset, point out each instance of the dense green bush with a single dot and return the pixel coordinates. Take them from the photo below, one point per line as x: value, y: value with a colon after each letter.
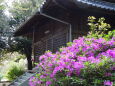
x: 14, y: 72
x: 11, y: 59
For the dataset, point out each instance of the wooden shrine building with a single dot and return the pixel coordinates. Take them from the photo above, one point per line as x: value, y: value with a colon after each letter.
x: 60, y: 21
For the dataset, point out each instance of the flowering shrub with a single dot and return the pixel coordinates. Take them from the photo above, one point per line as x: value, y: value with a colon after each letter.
x: 85, y: 62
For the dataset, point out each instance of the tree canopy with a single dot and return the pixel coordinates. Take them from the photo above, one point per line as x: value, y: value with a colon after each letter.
x: 13, y: 13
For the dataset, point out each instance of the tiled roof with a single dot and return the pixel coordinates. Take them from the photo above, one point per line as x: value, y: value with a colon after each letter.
x: 94, y: 3
x: 98, y: 3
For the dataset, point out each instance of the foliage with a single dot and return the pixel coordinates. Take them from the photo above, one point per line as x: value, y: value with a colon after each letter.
x: 14, y: 72
x: 23, y: 46
x: 109, y: 35
x: 87, y: 62
x: 15, y: 57
x: 15, y: 14
x: 19, y: 44
x: 3, y: 29
x: 11, y: 59
x: 2, y: 45
x: 98, y: 28
x: 20, y: 11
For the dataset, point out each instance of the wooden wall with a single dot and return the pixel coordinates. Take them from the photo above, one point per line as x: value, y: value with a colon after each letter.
x: 79, y: 26
x: 58, y: 33
x: 56, y: 38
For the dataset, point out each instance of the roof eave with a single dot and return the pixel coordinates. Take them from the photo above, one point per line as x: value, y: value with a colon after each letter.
x: 84, y: 4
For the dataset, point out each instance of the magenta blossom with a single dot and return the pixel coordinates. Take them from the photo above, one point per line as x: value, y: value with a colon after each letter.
x: 74, y: 60
x: 48, y: 83
x: 108, y: 83
x: 108, y: 74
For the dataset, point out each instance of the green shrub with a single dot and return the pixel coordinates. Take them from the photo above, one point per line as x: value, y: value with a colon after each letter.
x: 109, y: 35
x: 99, y: 29
x: 14, y: 72
x: 11, y: 59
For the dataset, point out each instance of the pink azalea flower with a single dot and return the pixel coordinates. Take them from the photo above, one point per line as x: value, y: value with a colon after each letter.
x: 48, y: 83
x: 108, y: 83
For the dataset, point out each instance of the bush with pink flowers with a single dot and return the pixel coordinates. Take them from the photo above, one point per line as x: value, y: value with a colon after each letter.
x: 87, y: 61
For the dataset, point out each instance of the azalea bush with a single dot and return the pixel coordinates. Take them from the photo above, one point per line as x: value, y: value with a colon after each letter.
x: 85, y: 62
